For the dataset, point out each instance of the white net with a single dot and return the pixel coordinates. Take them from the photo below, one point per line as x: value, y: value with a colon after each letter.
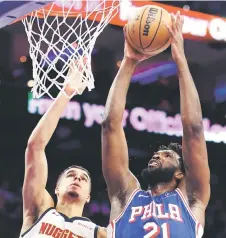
x: 63, y: 32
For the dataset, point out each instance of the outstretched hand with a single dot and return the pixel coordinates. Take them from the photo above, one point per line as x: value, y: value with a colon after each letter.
x: 76, y: 84
x: 176, y: 34
x: 131, y: 53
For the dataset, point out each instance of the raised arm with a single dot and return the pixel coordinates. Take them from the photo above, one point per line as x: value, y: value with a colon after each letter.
x: 115, y: 162
x: 197, y: 177
x: 35, y: 197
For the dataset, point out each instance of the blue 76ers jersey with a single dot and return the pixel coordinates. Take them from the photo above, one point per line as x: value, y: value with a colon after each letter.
x: 165, y: 216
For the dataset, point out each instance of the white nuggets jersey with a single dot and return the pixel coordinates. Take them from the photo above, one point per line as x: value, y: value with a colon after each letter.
x: 53, y: 224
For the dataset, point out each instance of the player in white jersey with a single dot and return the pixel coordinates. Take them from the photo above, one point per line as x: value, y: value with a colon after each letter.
x: 40, y: 217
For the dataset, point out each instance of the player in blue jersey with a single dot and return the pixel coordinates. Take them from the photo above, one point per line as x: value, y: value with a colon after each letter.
x: 179, y: 189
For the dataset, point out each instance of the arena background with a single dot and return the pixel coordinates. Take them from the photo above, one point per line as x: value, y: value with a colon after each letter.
x: 152, y: 115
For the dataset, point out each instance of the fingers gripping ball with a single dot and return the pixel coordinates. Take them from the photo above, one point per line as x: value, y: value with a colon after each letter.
x: 146, y: 31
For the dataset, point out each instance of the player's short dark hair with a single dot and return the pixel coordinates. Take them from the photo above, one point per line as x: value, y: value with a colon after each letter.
x: 177, y: 148
x: 71, y: 167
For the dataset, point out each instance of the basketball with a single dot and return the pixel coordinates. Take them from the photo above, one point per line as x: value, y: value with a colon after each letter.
x: 146, y: 31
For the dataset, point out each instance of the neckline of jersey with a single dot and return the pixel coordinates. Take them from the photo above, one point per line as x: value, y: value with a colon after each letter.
x: 72, y: 218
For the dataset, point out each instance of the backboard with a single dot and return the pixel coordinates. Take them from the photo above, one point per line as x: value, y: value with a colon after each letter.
x: 10, y: 11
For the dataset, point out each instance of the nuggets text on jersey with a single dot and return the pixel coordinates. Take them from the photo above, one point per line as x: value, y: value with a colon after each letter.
x: 53, y: 224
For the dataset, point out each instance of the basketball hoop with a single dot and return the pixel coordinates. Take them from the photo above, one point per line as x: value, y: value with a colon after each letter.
x: 52, y: 33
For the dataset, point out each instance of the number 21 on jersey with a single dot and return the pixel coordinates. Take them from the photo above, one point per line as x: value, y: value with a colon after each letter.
x: 154, y: 230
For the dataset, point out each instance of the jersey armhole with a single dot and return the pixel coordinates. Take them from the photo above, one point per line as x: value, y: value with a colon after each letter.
x: 198, y: 226
x: 186, y: 204
x: 95, y: 231
x: 36, y: 222
x: 127, y: 204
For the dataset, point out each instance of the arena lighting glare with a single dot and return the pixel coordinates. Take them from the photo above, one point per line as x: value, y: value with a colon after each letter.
x: 140, y: 119
x: 152, y: 72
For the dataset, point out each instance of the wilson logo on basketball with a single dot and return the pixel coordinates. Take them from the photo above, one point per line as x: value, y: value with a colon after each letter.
x: 150, y: 18
x: 53, y: 231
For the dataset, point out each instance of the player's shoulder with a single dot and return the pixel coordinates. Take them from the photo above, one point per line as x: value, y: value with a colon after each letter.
x: 148, y: 193
x: 52, y: 213
x: 141, y: 193
x: 101, y: 232
x: 82, y: 223
x: 86, y: 223
x: 137, y: 193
